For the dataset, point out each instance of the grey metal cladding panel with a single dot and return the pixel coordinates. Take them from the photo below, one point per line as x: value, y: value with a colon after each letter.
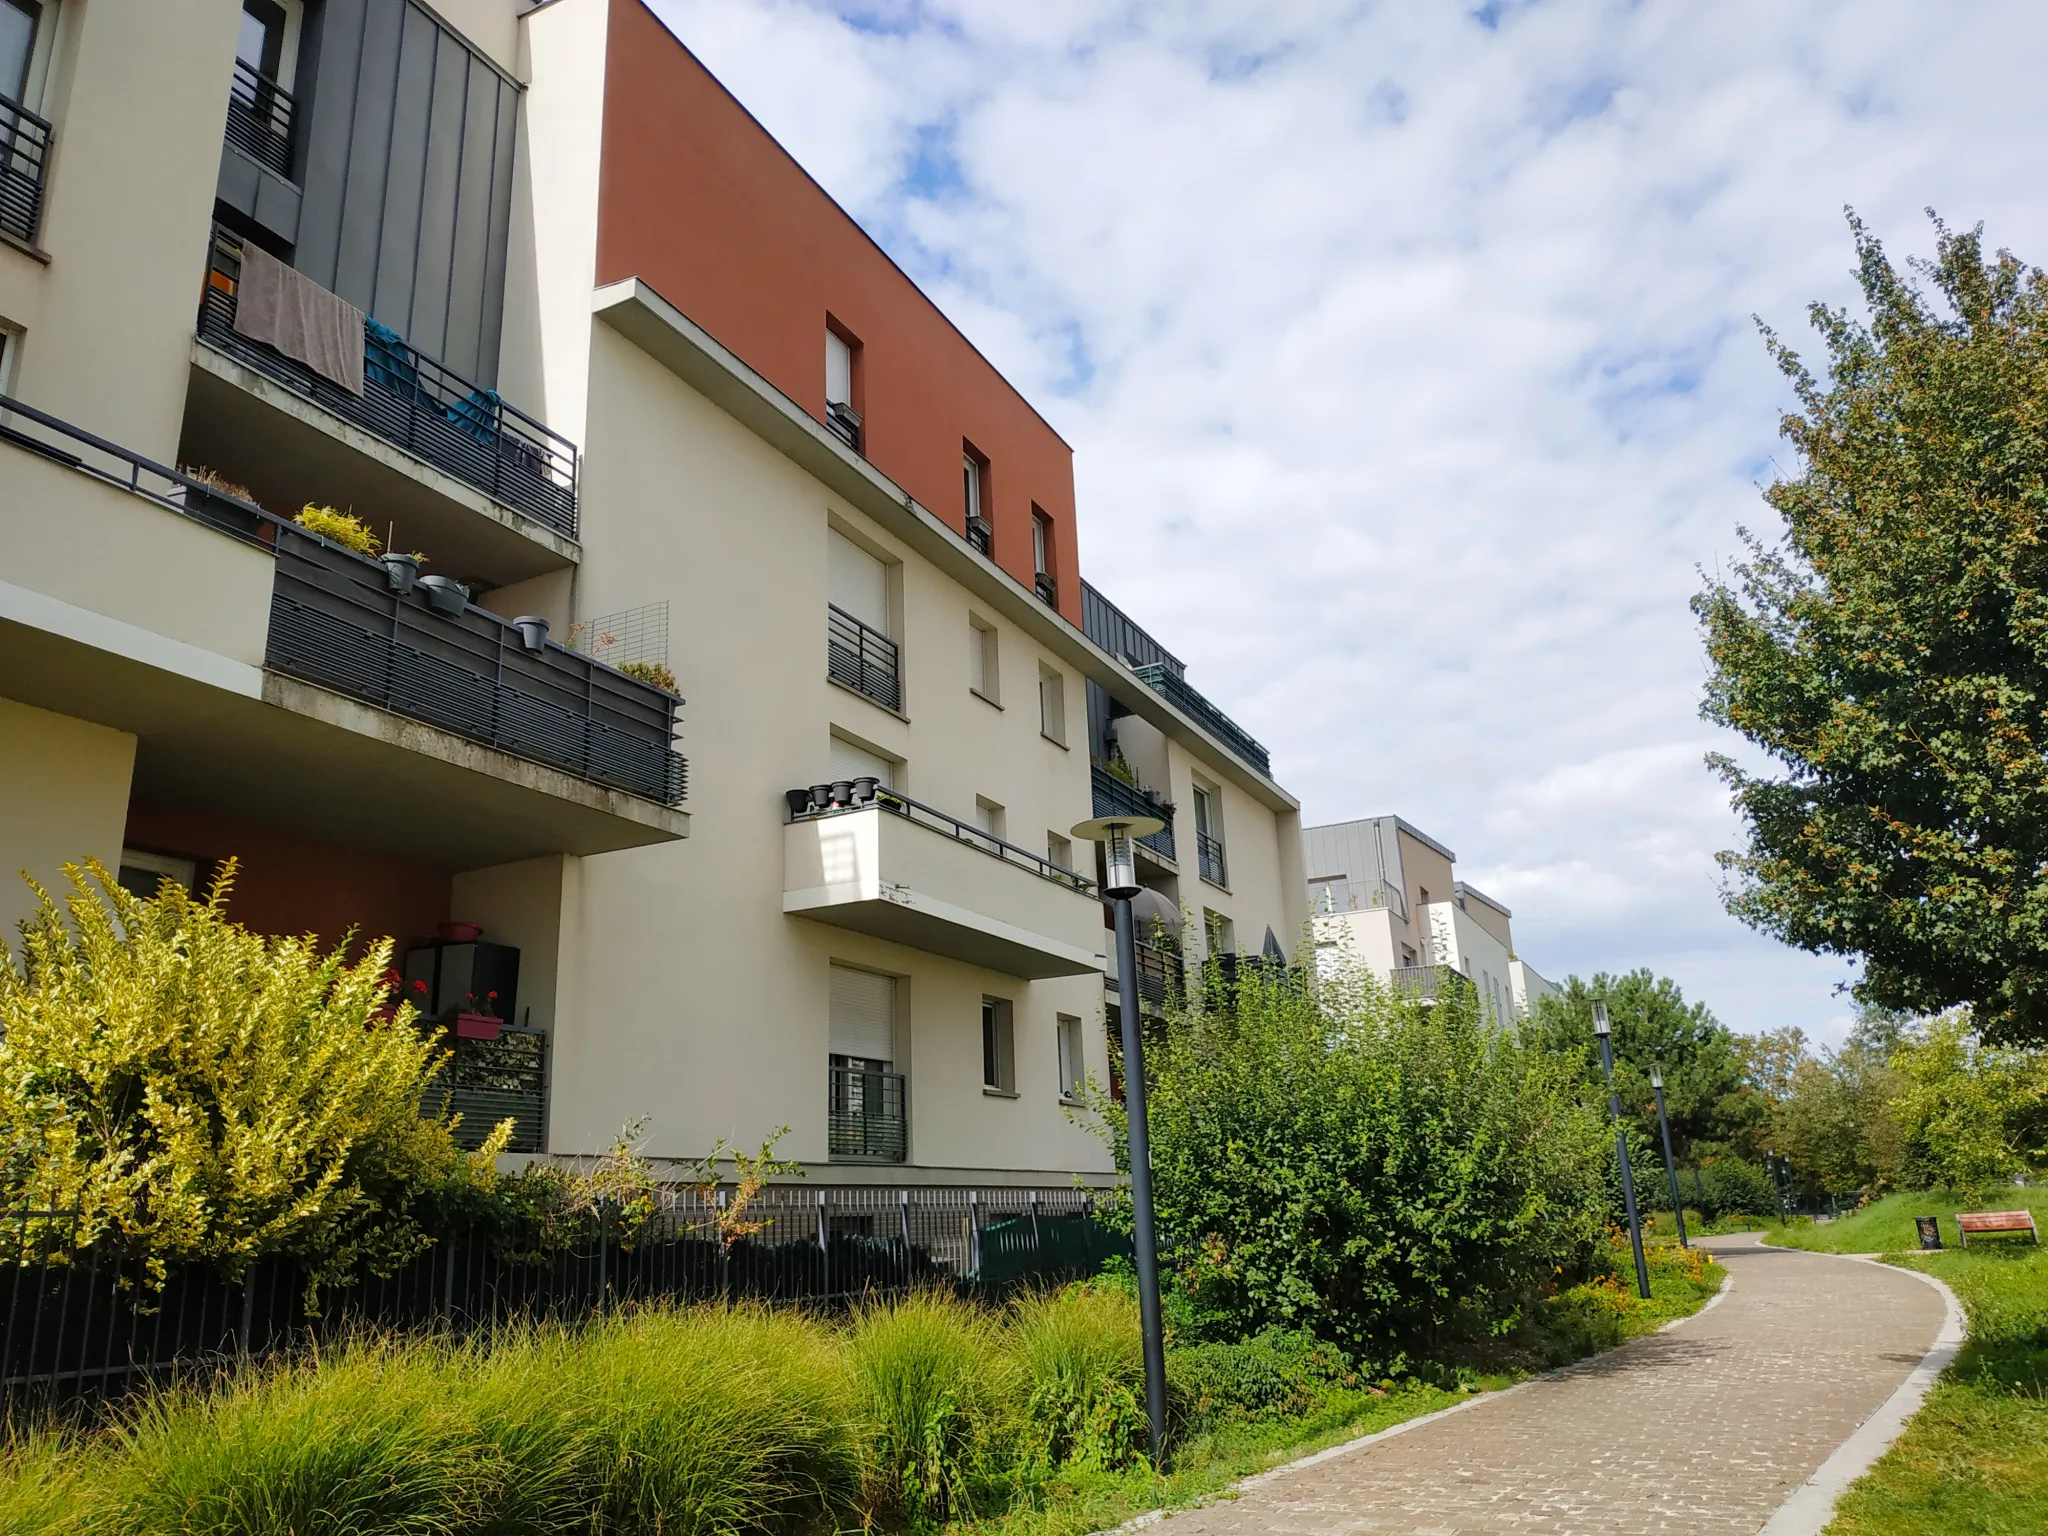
x: 498, y: 238
x: 370, y: 133
x: 327, y: 136
x: 470, y: 244
x: 437, y: 204
x: 394, y: 298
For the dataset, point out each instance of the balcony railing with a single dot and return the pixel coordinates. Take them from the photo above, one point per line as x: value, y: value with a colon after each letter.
x: 1428, y: 982
x: 1172, y: 686
x: 336, y: 620
x: 487, y: 1081
x: 867, y: 1118
x: 863, y: 659
x: 1209, y: 857
x: 1048, y: 590
x: 1113, y: 797
x: 861, y: 794
x: 24, y: 159
x: 981, y: 533
x: 844, y: 423
x: 260, y: 119
x: 1162, y: 976
x: 413, y: 402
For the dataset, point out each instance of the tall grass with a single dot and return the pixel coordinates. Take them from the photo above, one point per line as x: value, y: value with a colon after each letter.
x: 1082, y: 1353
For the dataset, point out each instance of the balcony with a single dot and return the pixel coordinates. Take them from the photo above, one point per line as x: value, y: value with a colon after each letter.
x: 411, y: 402
x: 1429, y: 983
x: 24, y: 159
x: 1113, y: 797
x: 863, y: 659
x: 1209, y: 858
x: 1162, y: 977
x: 1170, y: 685
x: 504, y: 1077
x: 880, y: 863
x: 342, y: 622
x: 260, y: 119
x: 868, y: 1121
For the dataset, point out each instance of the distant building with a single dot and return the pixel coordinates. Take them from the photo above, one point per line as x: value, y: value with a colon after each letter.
x: 1385, y: 895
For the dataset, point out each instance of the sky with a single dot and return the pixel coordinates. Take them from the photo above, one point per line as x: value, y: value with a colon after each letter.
x: 1410, y: 360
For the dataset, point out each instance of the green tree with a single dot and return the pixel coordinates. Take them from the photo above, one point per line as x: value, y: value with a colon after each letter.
x: 1836, y: 1120
x: 1891, y: 653
x: 1965, y: 1108
x: 1706, y: 1095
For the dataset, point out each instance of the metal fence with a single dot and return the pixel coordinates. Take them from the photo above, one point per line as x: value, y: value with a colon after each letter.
x: 24, y: 159
x: 82, y: 1324
x: 1176, y: 689
x: 504, y: 1077
x: 1114, y: 797
x: 863, y: 659
x: 260, y: 119
x: 1209, y: 856
x: 412, y: 401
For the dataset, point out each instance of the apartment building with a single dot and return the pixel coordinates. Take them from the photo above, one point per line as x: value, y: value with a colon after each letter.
x: 1385, y: 897
x: 527, y: 291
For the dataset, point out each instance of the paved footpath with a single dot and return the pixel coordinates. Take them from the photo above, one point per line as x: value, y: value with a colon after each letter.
x: 1707, y: 1427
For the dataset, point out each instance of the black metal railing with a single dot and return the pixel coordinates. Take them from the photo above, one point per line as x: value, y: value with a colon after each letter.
x: 1113, y: 797
x: 1428, y: 982
x: 844, y: 423
x: 260, y: 119
x: 869, y: 1117
x: 863, y: 659
x: 85, y: 1323
x: 848, y: 796
x: 1209, y: 858
x: 1162, y: 976
x: 337, y: 620
x: 1048, y: 590
x: 414, y: 403
x: 24, y: 163
x: 981, y: 533
x: 504, y: 1078
x: 1174, y: 688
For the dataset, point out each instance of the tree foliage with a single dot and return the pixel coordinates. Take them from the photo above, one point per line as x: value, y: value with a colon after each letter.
x: 1891, y: 653
x: 1379, y: 1172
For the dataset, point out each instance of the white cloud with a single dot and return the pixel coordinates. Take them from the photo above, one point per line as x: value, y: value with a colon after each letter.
x: 1409, y: 365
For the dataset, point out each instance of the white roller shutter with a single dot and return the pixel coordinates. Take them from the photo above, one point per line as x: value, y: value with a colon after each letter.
x: 838, y: 370
x: 849, y: 762
x: 863, y: 1014
x: 858, y: 583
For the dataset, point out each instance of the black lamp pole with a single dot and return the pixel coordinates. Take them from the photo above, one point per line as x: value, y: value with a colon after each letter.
x: 1601, y: 1031
x: 1670, y: 1168
x: 1120, y: 886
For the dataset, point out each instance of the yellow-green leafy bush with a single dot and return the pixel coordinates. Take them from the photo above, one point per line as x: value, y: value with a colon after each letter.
x: 198, y: 1092
x: 344, y: 528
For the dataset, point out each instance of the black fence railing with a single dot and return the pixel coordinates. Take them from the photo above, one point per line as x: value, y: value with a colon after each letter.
x: 858, y: 795
x: 84, y: 1324
x: 1174, y: 688
x: 24, y: 164
x: 340, y: 621
x: 486, y: 1081
x: 869, y: 1118
x: 413, y: 402
x: 1209, y: 858
x: 260, y: 119
x: 1162, y: 977
x: 863, y: 659
x: 1047, y: 588
x: 981, y: 533
x: 1114, y: 797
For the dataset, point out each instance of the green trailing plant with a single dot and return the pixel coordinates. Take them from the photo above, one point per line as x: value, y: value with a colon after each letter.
x: 197, y: 1092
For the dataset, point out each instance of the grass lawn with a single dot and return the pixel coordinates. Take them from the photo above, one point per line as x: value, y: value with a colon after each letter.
x: 1581, y: 1321
x: 1887, y: 1225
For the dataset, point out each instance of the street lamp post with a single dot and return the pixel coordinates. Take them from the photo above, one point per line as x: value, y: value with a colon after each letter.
x: 1670, y: 1168
x: 1603, y: 1031
x: 1116, y: 834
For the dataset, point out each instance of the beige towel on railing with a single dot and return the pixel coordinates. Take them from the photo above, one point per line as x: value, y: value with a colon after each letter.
x: 289, y: 311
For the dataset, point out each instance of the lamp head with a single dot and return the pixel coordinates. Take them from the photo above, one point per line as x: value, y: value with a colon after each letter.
x: 1600, y: 1024
x: 1116, y: 834
x: 1656, y: 1075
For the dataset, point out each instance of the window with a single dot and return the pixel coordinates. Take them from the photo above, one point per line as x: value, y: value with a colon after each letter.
x: 984, y: 674
x: 261, y: 42
x: 842, y: 413
x: 1209, y: 836
x: 144, y: 874
x: 1408, y: 954
x: 998, y: 1046
x: 1059, y: 850
x: 1044, y: 578
x: 859, y: 653
x: 849, y: 761
x: 18, y: 20
x: 863, y: 1021
x: 866, y: 1106
x: 1052, y: 704
x: 974, y: 497
x: 989, y: 816
x: 1219, y: 931
x: 1073, y: 1066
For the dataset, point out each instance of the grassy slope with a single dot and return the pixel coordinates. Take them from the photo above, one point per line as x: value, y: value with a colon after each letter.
x: 1975, y: 1458
x: 1075, y: 1502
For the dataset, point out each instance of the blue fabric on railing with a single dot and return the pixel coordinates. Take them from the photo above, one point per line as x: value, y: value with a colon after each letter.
x: 388, y: 361
x: 477, y: 414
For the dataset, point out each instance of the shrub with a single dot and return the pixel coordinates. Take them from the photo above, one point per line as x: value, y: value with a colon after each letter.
x: 1279, y: 1373
x: 200, y: 1093
x: 938, y: 1390
x: 1386, y: 1175
x: 1083, y: 1358
x: 1732, y: 1186
x: 654, y: 672
x: 343, y: 528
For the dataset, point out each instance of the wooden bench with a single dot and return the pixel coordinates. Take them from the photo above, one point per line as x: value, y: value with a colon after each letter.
x: 1982, y: 1222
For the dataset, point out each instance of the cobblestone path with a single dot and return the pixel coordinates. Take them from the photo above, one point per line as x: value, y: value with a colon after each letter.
x: 1708, y: 1427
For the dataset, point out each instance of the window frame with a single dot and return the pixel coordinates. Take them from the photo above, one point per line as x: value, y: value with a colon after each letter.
x: 1072, y: 1052
x: 1052, y: 722
x: 984, y: 657
x: 998, y: 1047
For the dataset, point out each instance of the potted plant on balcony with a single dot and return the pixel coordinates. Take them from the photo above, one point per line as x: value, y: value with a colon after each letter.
x: 478, y: 1018
x: 533, y: 631
x: 445, y: 595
